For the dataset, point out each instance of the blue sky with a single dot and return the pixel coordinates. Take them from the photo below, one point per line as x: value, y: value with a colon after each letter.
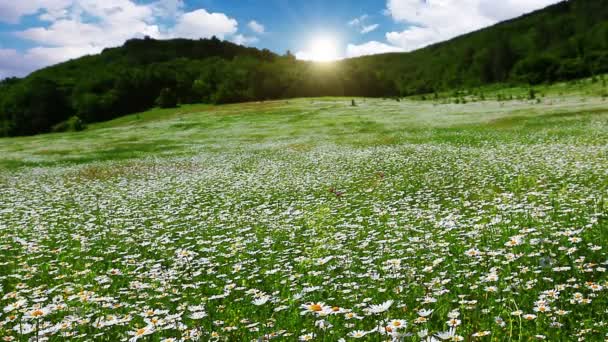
x: 38, y: 33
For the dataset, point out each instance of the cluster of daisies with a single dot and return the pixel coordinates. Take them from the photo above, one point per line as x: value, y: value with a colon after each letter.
x: 429, y: 242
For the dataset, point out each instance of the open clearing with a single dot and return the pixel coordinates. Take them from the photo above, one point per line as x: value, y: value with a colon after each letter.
x: 312, y: 219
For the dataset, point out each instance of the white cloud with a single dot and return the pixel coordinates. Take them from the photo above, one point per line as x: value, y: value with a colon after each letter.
x: 12, y: 64
x: 244, y: 40
x: 358, y: 21
x: 360, y: 24
x: 202, y: 24
x: 77, y: 33
x: 11, y: 11
x: 15, y: 63
x: 54, y: 55
x: 434, y: 21
x: 417, y: 37
x: 256, y: 27
x: 509, y: 9
x: 78, y: 27
x: 369, y: 28
x: 370, y: 48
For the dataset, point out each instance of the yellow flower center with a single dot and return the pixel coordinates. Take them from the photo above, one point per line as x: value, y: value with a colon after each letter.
x: 315, y: 307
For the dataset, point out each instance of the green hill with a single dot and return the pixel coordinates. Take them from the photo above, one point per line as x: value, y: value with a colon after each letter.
x: 565, y: 41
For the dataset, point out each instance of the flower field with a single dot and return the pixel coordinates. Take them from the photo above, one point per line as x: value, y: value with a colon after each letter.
x: 389, y: 221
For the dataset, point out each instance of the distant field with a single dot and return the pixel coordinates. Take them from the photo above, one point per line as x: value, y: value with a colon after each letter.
x: 313, y: 219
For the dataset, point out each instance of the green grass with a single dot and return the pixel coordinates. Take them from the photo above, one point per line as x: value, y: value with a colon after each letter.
x: 258, y: 215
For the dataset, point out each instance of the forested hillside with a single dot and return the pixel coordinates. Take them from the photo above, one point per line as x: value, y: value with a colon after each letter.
x: 565, y: 41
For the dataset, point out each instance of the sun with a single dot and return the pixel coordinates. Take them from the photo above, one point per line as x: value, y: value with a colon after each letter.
x: 323, y: 49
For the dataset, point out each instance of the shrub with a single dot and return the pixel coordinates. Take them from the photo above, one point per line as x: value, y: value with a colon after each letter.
x: 73, y: 124
x: 167, y: 98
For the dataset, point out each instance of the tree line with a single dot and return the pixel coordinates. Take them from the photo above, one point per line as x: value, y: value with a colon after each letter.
x: 566, y: 41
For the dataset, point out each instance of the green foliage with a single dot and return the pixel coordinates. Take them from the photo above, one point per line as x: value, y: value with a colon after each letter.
x: 33, y: 106
x: 73, y: 124
x: 565, y: 41
x: 167, y: 98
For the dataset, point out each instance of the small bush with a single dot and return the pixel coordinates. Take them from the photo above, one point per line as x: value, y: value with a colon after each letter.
x: 73, y: 124
x: 167, y: 98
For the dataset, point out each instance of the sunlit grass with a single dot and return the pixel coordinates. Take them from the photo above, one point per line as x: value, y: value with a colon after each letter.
x: 311, y: 218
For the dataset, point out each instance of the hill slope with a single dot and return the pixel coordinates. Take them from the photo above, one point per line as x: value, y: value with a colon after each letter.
x: 561, y: 42
x: 565, y: 41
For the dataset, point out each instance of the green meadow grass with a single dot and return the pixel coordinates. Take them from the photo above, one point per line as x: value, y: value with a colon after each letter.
x: 311, y: 219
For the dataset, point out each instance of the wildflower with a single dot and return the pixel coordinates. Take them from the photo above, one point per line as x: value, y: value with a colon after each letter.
x: 352, y: 315
x: 115, y: 272
x: 315, y: 308
x: 198, y: 315
x: 425, y: 312
x: 514, y: 241
x: 501, y: 322
x: 36, y: 313
x: 337, y: 310
x: 473, y: 252
x: 397, y: 324
x: 14, y: 306
x: 421, y: 320
x: 357, y: 334
x: 542, y: 308
x: 491, y: 289
x: 446, y: 335
x: 454, y: 314
x: 553, y: 294
x: 261, y: 300
x: 194, y: 308
x: 307, y: 337
x: 492, y: 277
x: 139, y: 333
x: 453, y: 322
x: 380, y: 308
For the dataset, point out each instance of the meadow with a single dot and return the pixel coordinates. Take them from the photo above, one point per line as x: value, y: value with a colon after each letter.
x: 311, y: 219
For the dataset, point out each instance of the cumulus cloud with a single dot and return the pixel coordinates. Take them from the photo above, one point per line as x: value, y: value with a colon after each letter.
x: 15, y: 63
x: 433, y: 21
x: 11, y: 11
x: 73, y: 28
x: 202, y: 24
x: 244, y: 40
x: 370, y: 48
x: 256, y: 27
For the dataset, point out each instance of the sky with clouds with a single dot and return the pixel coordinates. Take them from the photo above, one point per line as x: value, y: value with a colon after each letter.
x: 38, y: 33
